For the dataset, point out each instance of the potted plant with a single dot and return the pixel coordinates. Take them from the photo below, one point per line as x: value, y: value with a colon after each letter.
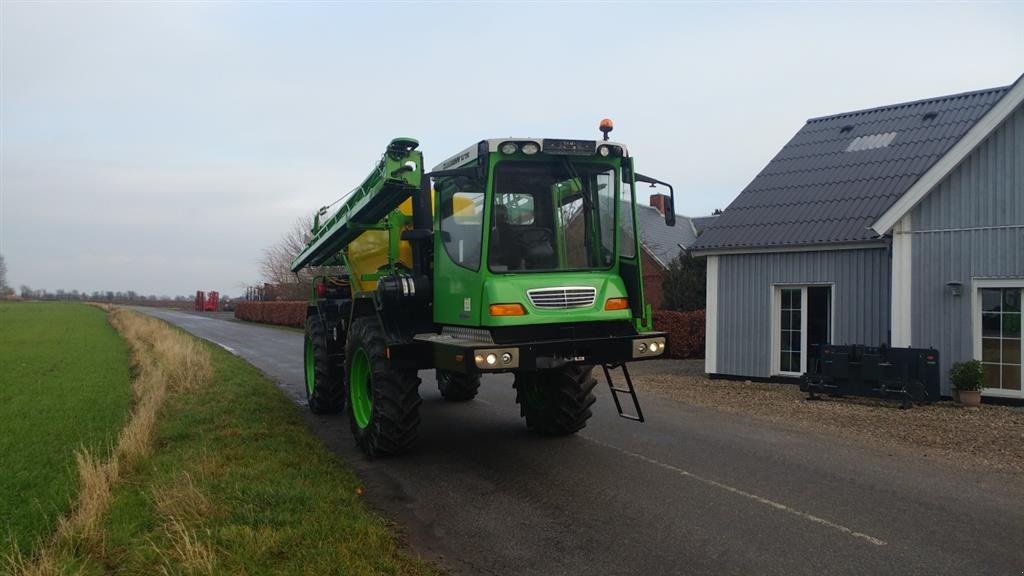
x: 968, y: 379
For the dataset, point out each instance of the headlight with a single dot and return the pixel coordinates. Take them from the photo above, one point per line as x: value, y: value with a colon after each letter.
x: 649, y: 347
x: 604, y: 151
x: 496, y: 358
x: 530, y: 148
x: 509, y: 148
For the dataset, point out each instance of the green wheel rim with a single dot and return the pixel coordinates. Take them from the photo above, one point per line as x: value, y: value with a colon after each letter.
x: 359, y: 389
x: 310, y: 361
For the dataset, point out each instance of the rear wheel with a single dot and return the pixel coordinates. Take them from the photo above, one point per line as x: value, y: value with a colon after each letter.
x: 383, y: 403
x: 556, y: 402
x: 457, y: 387
x: 325, y: 390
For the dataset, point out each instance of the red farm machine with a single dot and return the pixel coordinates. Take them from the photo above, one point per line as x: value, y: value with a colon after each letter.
x: 207, y: 302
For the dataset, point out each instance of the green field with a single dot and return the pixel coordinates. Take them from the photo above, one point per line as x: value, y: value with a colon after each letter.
x: 64, y: 383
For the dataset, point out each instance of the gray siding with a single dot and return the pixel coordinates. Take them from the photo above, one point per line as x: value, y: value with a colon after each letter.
x: 968, y: 226
x: 860, y: 300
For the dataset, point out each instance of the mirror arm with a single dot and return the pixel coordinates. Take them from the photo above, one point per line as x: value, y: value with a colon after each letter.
x: 670, y: 210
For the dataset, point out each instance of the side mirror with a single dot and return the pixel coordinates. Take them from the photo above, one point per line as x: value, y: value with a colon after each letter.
x: 670, y: 209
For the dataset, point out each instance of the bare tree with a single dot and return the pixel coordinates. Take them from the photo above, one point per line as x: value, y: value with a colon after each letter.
x: 276, y: 263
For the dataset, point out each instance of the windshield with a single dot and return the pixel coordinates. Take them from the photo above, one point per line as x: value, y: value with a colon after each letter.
x: 552, y: 216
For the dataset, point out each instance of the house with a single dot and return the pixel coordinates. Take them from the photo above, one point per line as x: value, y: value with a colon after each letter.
x: 661, y: 244
x: 702, y: 222
x: 902, y: 224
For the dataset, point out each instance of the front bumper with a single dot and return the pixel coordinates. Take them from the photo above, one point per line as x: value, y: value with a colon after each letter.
x: 468, y: 357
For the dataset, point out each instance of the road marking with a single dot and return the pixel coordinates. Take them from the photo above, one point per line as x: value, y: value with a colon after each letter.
x: 754, y: 497
x: 226, y: 347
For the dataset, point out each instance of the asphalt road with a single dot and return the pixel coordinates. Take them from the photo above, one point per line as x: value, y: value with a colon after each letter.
x: 692, y: 491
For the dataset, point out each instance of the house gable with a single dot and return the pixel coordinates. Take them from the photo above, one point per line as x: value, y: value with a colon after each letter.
x: 997, y: 116
x: 840, y: 173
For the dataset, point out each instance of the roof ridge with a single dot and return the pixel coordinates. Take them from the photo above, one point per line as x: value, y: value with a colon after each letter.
x: 908, y: 103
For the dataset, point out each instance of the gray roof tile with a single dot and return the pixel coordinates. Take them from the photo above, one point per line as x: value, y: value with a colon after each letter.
x: 814, y: 191
x: 661, y: 240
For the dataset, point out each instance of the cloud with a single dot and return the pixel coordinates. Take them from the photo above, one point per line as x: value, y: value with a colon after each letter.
x: 161, y: 147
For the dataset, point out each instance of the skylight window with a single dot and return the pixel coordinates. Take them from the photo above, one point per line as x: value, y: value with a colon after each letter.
x: 871, y: 142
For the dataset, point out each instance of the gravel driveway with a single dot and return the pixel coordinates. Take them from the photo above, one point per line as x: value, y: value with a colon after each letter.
x: 988, y: 438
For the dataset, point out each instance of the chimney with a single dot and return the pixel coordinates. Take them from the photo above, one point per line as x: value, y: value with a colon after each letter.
x: 659, y: 201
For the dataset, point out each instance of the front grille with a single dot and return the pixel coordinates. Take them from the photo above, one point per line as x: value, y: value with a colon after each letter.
x: 466, y: 333
x: 563, y: 297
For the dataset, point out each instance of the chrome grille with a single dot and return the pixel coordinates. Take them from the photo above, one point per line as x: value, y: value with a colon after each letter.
x: 562, y: 297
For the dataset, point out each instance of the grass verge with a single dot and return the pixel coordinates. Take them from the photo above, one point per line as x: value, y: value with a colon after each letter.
x: 65, y: 386
x: 234, y: 483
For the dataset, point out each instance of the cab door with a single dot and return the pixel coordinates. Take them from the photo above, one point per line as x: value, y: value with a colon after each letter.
x: 629, y: 244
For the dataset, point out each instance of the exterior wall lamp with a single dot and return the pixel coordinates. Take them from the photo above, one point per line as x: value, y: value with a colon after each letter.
x: 955, y: 288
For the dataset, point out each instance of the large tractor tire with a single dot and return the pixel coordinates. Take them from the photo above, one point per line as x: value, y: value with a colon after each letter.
x: 383, y: 403
x: 556, y: 402
x: 457, y: 387
x: 325, y: 387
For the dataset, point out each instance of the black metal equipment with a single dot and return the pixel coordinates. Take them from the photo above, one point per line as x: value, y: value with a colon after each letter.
x: 629, y: 389
x: 906, y: 374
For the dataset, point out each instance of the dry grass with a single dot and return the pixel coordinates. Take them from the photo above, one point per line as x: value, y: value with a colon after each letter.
x: 991, y: 437
x: 165, y: 361
x: 188, y: 554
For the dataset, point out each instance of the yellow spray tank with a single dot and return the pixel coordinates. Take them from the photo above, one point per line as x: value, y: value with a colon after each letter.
x: 369, y: 252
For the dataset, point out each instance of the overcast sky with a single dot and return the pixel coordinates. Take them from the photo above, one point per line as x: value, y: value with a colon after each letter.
x: 159, y: 147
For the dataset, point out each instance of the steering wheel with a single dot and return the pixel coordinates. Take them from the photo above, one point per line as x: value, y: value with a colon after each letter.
x: 530, y: 237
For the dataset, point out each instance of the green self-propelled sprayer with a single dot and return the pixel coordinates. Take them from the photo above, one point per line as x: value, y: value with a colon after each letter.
x: 515, y: 255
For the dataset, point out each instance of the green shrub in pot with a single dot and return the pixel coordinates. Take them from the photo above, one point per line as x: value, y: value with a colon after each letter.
x: 967, y: 375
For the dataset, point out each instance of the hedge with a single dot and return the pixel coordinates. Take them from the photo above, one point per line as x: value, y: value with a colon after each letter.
x: 685, y: 329
x: 281, y: 313
x: 685, y: 332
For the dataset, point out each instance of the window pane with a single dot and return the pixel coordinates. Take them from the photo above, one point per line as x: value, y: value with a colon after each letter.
x: 794, y: 341
x: 990, y: 325
x: 990, y: 350
x: 795, y: 362
x: 627, y: 245
x: 462, y: 212
x: 1011, y: 377
x: 796, y: 319
x: 991, y: 300
x: 1011, y: 325
x: 1011, y: 351
x: 787, y: 320
x: 784, y: 362
x: 1011, y: 300
x: 991, y: 375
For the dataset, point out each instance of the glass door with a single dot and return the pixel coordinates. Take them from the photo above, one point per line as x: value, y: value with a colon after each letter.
x: 791, y: 330
x: 1001, y: 340
x: 802, y: 317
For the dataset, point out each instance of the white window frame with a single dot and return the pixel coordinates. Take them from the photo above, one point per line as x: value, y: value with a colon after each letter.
x: 776, y: 324
x: 976, y: 285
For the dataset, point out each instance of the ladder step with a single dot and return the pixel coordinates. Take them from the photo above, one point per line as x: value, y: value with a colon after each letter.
x: 629, y: 389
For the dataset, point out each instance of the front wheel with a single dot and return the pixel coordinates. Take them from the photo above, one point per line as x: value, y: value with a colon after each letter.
x: 383, y: 403
x: 556, y: 402
x: 325, y: 393
x: 457, y: 387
